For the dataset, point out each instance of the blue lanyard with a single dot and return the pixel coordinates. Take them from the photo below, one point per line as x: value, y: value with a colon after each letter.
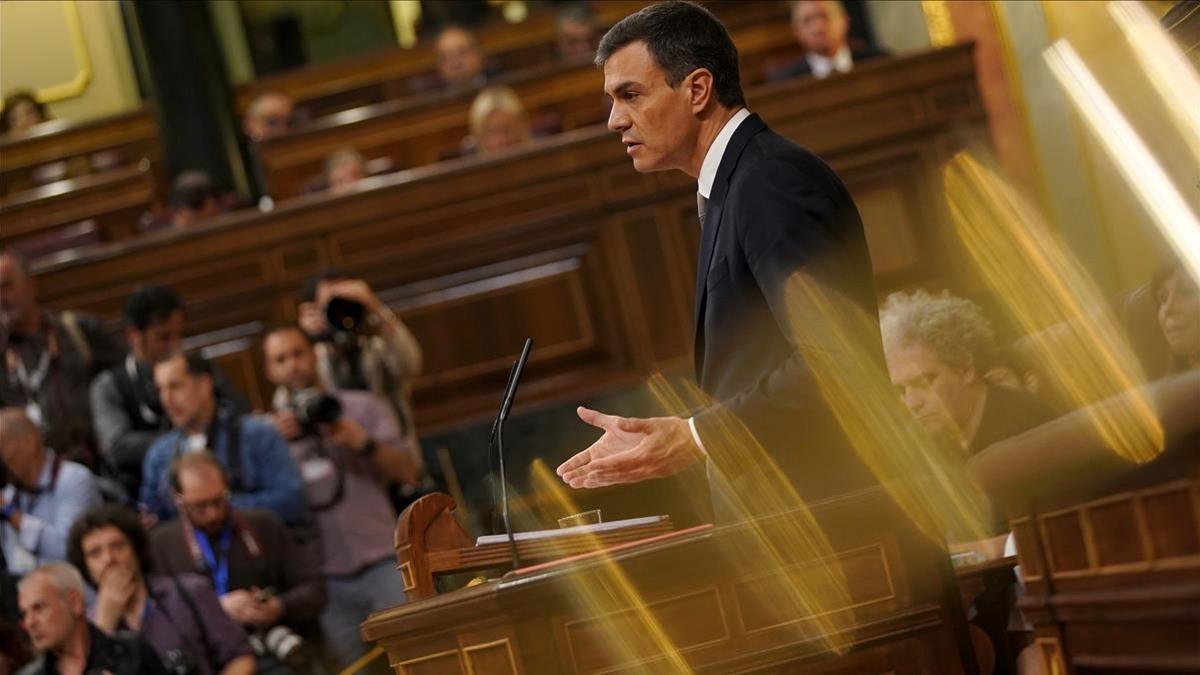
x: 219, y: 569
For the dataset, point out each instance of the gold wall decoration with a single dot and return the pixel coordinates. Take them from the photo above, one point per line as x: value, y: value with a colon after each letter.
x: 83, y: 73
x: 938, y: 23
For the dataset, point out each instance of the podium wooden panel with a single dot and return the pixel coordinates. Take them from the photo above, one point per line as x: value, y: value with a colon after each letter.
x: 721, y: 614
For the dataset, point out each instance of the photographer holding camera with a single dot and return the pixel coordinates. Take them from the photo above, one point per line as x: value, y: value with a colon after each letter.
x: 266, y: 581
x: 346, y: 444
x: 360, y: 344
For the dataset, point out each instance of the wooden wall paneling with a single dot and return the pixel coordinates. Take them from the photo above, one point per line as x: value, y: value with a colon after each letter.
x: 113, y: 199
x: 133, y: 136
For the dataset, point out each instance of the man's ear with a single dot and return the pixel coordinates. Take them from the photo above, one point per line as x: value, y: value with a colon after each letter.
x: 700, y: 85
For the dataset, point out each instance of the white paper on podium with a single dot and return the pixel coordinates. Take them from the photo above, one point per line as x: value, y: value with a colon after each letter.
x: 533, y: 535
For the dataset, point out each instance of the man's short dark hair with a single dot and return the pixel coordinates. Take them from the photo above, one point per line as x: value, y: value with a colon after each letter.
x: 190, y: 190
x: 191, y: 461
x: 194, y: 363
x: 108, y: 515
x: 682, y: 37
x: 308, y: 290
x: 287, y: 327
x: 150, y: 305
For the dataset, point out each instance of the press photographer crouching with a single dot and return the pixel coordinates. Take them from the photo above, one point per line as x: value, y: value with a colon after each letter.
x: 265, y: 580
x: 348, y: 446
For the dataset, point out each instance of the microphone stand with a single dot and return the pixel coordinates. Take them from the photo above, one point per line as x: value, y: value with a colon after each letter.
x: 505, y: 408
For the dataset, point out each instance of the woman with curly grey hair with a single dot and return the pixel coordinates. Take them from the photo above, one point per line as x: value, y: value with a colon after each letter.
x: 938, y: 348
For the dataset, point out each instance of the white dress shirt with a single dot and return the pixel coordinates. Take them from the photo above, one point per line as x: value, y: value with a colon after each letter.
x: 704, y: 184
x: 822, y: 66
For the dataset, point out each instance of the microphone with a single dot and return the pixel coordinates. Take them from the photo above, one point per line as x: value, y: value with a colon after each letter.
x: 510, y: 394
x: 492, y: 443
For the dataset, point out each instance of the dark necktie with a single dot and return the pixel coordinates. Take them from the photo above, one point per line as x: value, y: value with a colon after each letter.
x: 701, y: 208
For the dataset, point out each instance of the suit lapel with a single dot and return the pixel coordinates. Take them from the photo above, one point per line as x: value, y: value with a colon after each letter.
x: 712, y: 224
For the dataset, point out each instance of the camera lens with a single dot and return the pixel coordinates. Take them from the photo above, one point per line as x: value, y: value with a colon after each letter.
x: 345, y: 315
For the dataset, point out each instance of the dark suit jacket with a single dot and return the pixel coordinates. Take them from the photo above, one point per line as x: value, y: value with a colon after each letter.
x: 292, y: 569
x: 800, y: 67
x: 775, y: 210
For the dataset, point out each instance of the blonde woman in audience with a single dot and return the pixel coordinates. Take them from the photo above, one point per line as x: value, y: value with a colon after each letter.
x: 498, y: 121
x: 343, y: 170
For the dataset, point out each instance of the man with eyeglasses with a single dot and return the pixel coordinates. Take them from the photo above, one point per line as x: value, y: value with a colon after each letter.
x: 264, y: 579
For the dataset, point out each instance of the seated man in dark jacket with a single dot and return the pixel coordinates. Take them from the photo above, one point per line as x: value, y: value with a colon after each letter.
x: 52, y: 601
x: 821, y: 28
x: 265, y: 580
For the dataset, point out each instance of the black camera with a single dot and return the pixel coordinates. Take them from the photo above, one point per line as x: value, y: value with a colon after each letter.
x: 345, y: 315
x: 314, y: 407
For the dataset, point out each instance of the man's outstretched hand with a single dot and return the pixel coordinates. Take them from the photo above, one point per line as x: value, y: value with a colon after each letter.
x: 630, y: 450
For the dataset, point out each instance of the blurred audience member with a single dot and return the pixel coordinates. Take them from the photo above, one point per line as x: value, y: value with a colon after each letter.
x: 50, y: 359
x: 265, y: 581
x: 938, y: 349
x: 575, y: 33
x: 1178, y: 312
x: 52, y: 600
x: 498, y: 121
x: 261, y: 473
x: 343, y: 170
x: 41, y: 498
x: 270, y: 114
x: 821, y: 27
x: 367, y: 348
x: 348, y: 444
x: 22, y: 112
x: 193, y: 199
x: 179, y: 616
x: 460, y: 61
x: 125, y: 407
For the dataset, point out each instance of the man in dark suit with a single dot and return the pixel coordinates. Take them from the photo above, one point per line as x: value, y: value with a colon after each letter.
x: 822, y: 29
x: 771, y: 214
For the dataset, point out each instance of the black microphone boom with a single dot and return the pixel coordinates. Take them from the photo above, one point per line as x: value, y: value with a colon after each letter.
x: 510, y: 395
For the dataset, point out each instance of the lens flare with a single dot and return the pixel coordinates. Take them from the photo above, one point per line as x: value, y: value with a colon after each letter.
x: 1145, y: 175
x: 1072, y: 331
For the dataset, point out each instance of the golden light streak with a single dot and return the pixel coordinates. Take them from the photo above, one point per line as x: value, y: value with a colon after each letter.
x: 1154, y: 188
x: 1165, y: 66
x: 1042, y: 285
x: 613, y: 596
x: 786, y: 538
x: 840, y: 344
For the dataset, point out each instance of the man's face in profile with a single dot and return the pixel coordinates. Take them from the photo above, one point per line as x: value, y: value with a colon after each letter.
x: 656, y: 121
x: 819, y: 26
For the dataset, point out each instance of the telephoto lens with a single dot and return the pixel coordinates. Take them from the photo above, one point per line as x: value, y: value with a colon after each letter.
x: 345, y: 315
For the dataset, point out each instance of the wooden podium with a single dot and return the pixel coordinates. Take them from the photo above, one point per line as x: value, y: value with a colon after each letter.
x: 716, y: 612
